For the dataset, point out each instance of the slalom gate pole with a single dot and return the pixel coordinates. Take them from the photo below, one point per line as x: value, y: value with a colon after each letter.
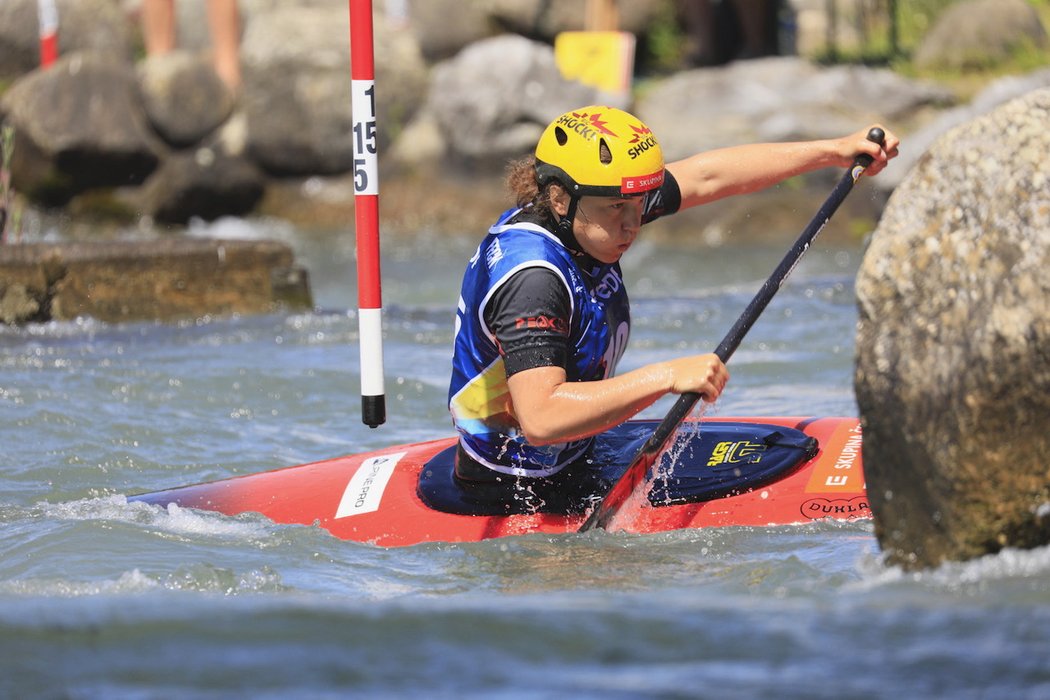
x: 366, y: 213
x: 48, y: 17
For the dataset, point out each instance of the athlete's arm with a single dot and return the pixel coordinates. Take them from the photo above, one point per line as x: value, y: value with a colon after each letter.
x: 530, y: 315
x: 723, y: 172
x: 550, y: 409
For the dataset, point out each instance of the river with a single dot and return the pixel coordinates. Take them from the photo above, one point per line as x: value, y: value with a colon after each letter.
x: 104, y: 599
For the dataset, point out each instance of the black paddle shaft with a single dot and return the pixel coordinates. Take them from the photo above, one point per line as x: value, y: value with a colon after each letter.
x: 647, y: 454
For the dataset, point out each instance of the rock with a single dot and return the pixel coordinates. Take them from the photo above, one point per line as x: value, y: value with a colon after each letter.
x: 426, y: 16
x: 439, y: 39
x: 979, y: 33
x: 544, y: 20
x: 17, y: 304
x: 953, y: 367
x: 184, y: 98
x: 206, y: 183
x: 776, y: 99
x: 163, y: 279
x: 292, y: 118
x: 84, y: 25
x: 78, y: 125
x: 297, y: 88
x: 916, y: 143
x: 19, y: 38
x: 494, y: 99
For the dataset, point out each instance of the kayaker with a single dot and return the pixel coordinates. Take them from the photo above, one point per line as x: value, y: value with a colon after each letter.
x: 543, y: 316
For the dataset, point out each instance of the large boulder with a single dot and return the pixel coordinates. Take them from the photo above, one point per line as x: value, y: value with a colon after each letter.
x: 978, y: 33
x: 297, y: 87
x: 472, y: 24
x: 493, y: 100
x: 953, y: 345
x: 78, y: 125
x: 184, y: 98
x: 205, y: 183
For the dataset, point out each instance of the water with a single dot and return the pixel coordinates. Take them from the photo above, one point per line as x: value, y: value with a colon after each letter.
x: 104, y: 599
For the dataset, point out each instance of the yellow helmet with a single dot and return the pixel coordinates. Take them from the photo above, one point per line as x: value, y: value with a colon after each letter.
x: 600, y: 151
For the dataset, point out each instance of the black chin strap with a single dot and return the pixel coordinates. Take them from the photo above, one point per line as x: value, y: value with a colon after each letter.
x: 564, y: 229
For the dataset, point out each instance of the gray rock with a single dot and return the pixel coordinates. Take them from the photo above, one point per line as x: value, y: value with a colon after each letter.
x: 953, y: 368
x: 184, y: 98
x: 776, y: 99
x: 206, y: 183
x: 19, y: 42
x: 544, y: 20
x: 444, y: 27
x: 917, y: 142
x: 486, y: 104
x: 297, y: 88
x: 83, y: 25
x: 78, y: 125
x: 495, y: 98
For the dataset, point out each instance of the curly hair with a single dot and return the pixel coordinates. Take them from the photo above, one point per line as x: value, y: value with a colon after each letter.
x: 525, y: 189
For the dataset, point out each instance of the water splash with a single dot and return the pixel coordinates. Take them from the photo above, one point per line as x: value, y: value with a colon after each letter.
x: 172, y: 520
x: 525, y: 494
x: 635, y: 509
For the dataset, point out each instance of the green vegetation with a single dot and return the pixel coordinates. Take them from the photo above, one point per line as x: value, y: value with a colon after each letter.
x: 664, y: 46
x: 7, y: 150
x: 890, y: 37
x: 884, y: 33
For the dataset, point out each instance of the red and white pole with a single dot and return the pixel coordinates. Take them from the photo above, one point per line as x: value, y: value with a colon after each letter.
x: 48, y: 17
x: 366, y: 213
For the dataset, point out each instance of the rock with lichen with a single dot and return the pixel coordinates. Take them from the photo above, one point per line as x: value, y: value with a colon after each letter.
x: 953, y: 345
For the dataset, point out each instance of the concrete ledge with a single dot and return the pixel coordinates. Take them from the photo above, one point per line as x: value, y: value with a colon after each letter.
x: 165, y: 279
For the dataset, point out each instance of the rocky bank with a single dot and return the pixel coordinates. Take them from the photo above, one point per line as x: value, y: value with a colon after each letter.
x: 160, y: 140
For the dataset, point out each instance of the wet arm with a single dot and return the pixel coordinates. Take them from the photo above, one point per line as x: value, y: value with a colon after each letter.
x: 723, y: 172
x: 551, y: 409
x: 548, y: 407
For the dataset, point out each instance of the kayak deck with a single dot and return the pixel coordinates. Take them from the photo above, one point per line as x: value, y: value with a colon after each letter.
x: 375, y: 497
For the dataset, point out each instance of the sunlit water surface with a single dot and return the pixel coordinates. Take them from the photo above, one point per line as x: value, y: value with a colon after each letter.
x: 104, y: 599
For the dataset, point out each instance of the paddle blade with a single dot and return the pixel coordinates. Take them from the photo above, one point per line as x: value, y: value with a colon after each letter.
x: 622, y: 490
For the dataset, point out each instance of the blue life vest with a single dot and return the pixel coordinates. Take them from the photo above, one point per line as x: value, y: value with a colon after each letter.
x: 479, y: 398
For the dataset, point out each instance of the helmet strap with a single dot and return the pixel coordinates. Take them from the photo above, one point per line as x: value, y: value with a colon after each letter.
x: 564, y: 230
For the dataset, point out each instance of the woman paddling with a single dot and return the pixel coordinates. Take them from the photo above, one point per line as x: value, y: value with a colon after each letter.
x: 543, y: 315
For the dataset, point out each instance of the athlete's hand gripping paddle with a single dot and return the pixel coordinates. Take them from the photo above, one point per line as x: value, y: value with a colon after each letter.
x: 650, y: 451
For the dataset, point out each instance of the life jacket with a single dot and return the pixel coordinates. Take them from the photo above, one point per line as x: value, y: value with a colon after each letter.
x: 479, y: 398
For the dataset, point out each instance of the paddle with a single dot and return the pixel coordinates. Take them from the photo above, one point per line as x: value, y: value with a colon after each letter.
x: 650, y: 451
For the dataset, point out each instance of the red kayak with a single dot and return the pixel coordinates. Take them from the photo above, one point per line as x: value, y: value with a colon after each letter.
x: 716, y: 473
x: 719, y: 473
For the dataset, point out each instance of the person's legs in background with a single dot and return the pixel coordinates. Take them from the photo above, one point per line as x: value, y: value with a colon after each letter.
x: 224, y: 24
x: 158, y: 26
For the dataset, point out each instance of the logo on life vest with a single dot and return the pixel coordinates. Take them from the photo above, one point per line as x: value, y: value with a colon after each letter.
x: 494, y: 254
x: 609, y: 285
